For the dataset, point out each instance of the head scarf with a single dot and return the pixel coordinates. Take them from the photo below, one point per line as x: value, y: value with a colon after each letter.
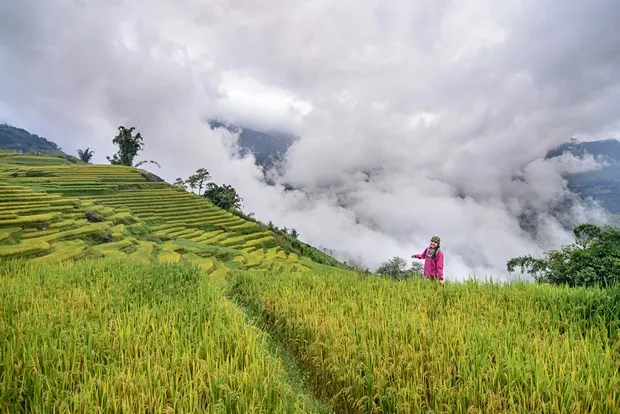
x: 430, y: 252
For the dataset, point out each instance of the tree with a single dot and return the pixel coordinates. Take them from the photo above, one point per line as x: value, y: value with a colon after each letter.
x: 128, y: 146
x: 396, y: 268
x: 592, y: 260
x: 179, y: 182
x: 294, y: 233
x: 224, y: 196
x: 85, y: 155
x: 199, y: 179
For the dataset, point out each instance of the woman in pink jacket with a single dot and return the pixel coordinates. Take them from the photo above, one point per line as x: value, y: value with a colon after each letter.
x: 433, y: 260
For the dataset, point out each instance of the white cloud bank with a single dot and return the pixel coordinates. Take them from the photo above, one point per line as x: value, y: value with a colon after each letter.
x: 447, y: 105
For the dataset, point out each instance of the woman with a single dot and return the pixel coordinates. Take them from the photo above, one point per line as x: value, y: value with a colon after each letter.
x: 433, y: 260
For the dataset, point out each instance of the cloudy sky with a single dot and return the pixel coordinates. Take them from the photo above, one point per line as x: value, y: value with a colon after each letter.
x: 449, y: 105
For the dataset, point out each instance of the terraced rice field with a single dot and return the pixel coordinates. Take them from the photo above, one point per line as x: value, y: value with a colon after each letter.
x: 44, y: 201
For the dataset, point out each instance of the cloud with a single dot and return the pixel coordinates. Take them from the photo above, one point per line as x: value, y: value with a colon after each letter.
x: 416, y: 118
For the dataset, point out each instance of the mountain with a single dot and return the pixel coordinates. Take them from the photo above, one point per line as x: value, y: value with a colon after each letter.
x: 602, y: 185
x: 19, y: 140
x: 268, y: 147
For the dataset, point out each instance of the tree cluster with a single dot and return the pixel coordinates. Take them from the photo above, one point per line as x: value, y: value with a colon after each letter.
x: 592, y: 260
x: 223, y: 196
x: 396, y: 268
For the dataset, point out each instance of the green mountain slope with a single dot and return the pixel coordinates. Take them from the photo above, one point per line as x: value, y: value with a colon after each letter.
x: 52, y: 210
x: 20, y: 141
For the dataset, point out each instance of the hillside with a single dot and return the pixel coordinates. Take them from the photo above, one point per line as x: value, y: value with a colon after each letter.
x: 45, y: 201
x: 19, y: 140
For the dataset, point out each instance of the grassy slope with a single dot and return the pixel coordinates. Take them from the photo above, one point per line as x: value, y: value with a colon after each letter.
x: 43, y: 202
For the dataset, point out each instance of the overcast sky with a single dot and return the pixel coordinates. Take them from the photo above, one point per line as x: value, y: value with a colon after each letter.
x: 445, y: 102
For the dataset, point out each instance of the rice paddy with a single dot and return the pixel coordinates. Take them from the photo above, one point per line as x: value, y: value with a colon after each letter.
x: 376, y: 345
x: 123, y: 294
x: 47, y: 203
x: 117, y: 336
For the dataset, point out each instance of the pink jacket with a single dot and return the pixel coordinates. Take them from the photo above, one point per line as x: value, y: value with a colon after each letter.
x: 432, y: 266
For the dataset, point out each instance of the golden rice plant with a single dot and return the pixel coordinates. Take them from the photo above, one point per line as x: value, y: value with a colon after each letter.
x: 116, y: 336
x: 375, y: 345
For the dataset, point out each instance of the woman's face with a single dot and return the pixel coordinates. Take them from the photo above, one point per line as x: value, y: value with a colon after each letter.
x: 434, y: 245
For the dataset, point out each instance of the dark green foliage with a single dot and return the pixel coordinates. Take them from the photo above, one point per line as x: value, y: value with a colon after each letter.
x: 128, y: 146
x: 592, y: 260
x: 224, y: 196
x: 22, y: 141
x: 248, y: 217
x: 85, y: 155
x: 396, y: 268
x: 179, y: 182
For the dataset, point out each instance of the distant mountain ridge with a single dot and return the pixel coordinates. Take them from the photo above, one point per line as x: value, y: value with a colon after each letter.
x: 20, y: 140
x: 268, y: 147
x: 602, y: 185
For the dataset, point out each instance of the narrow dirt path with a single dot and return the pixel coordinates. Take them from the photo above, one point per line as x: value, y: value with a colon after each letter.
x: 296, y: 376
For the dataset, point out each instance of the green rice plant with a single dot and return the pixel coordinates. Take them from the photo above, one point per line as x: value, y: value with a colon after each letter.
x: 228, y: 221
x: 8, y: 233
x: 247, y: 226
x: 34, y: 220
x: 204, y: 263
x: 29, y: 210
x: 33, y: 160
x: 115, y: 336
x: 207, y: 235
x: 178, y: 233
x: 215, y: 239
x: 242, y: 238
x: 123, y: 217
x: 20, y: 198
x: 32, y: 233
x: 275, y: 252
x: 62, y: 224
x: 143, y: 253
x: 376, y: 345
x: 117, y: 231
x: 114, y: 249
x: 189, y: 235
x: 168, y: 256
x: 27, y: 248
x: 166, y: 231
x: 63, y: 250
x: 186, y: 206
x: 7, y: 215
x: 85, y: 230
x: 256, y: 242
